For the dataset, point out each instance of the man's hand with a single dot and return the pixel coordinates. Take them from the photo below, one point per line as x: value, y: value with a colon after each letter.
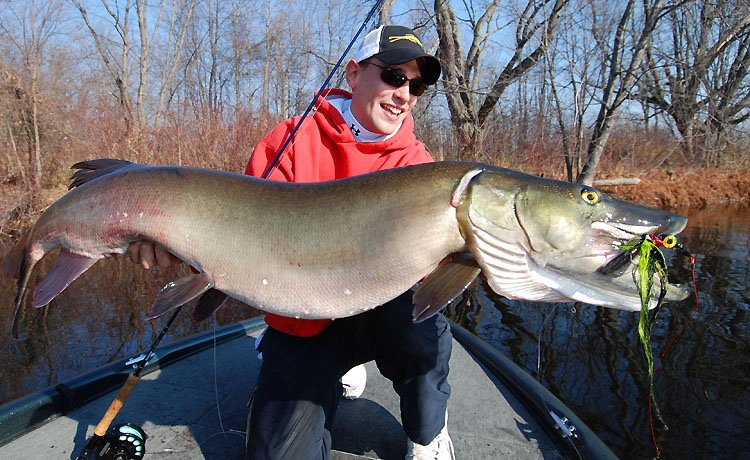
x: 149, y: 255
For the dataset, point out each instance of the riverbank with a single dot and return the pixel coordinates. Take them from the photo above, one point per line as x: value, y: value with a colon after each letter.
x: 698, y: 188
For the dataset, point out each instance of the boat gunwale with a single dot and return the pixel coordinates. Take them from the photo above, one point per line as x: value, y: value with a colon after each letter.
x: 24, y: 414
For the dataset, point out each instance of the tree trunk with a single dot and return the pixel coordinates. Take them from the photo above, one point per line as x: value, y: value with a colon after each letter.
x: 470, y: 108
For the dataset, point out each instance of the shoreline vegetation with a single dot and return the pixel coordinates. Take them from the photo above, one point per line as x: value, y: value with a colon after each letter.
x: 697, y: 188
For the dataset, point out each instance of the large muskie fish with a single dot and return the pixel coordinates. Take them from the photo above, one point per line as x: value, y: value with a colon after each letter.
x: 335, y: 249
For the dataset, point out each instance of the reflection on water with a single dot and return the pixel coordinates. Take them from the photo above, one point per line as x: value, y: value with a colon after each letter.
x: 98, y: 319
x: 592, y: 359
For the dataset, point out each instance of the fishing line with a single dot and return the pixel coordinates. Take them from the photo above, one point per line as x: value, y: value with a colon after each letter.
x: 697, y: 309
x: 123, y: 441
x: 561, y: 422
x: 320, y: 92
x: 222, y: 430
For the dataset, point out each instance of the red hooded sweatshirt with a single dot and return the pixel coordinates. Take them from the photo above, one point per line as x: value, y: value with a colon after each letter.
x: 325, y: 148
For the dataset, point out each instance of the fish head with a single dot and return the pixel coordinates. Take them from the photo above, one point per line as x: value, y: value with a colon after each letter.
x: 548, y: 240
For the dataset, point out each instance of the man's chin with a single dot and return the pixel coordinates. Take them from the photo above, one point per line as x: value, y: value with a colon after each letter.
x: 386, y: 128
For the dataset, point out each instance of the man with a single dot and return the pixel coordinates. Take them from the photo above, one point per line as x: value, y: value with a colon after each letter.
x: 367, y: 130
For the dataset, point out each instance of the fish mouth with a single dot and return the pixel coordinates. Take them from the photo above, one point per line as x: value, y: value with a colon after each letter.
x: 623, y: 231
x: 617, y: 260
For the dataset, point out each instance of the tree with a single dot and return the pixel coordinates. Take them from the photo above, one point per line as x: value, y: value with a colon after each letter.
x: 698, y: 76
x: 384, y: 16
x: 116, y: 63
x: 35, y: 24
x: 568, y: 66
x: 179, y: 19
x: 469, y: 102
x: 624, y: 51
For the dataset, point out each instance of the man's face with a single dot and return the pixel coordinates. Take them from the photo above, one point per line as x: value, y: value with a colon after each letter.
x: 380, y: 108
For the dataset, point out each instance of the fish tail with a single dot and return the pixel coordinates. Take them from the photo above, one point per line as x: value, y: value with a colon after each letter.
x: 93, y: 169
x: 16, y: 267
x: 17, y: 311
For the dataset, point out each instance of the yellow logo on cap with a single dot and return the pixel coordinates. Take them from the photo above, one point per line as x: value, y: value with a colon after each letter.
x: 410, y: 37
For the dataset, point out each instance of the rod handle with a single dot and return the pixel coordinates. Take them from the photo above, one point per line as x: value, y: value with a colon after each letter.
x: 116, y: 406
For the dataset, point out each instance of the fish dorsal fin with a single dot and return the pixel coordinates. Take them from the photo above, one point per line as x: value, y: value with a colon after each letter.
x: 67, y: 268
x: 90, y: 170
x: 445, y: 283
x: 180, y: 292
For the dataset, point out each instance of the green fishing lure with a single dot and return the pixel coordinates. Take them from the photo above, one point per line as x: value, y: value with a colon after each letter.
x: 652, y: 261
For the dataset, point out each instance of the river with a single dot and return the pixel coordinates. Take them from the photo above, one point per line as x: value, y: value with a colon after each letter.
x: 590, y: 357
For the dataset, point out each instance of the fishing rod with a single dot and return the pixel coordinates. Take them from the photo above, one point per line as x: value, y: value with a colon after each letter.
x: 124, y: 441
x: 319, y: 93
x: 127, y: 441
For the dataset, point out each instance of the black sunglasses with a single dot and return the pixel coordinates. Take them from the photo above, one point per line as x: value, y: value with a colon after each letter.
x: 395, y: 77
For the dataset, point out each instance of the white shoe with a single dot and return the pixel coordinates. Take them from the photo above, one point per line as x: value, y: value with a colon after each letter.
x: 354, y: 382
x: 441, y: 448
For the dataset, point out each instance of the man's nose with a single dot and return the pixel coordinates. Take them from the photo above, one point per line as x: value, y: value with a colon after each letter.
x: 402, y: 92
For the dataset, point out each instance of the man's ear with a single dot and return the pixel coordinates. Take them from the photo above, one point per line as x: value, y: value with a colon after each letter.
x: 352, y: 72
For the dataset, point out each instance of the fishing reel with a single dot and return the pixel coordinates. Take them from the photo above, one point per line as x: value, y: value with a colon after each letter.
x: 124, y: 441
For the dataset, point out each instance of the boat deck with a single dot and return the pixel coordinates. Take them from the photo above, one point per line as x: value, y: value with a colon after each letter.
x: 195, y: 408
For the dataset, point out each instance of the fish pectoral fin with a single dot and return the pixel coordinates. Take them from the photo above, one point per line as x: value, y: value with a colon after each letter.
x: 67, y: 268
x: 180, y: 292
x: 210, y: 301
x: 444, y: 284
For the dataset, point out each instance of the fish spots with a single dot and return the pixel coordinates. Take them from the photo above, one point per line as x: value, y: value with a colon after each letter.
x: 121, y: 216
x: 347, y: 292
x: 264, y: 282
x: 294, y: 262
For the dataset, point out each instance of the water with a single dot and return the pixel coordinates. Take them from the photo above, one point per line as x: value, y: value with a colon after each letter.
x: 98, y: 319
x: 590, y: 357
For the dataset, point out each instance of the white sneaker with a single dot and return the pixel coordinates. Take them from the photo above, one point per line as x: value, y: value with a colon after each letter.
x: 354, y: 382
x: 441, y: 448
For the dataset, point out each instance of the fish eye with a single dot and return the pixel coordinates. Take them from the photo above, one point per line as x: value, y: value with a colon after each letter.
x: 590, y: 196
